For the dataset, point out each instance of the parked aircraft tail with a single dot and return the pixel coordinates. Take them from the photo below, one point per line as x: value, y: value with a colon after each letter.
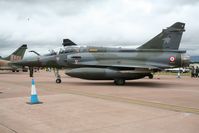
x: 169, y: 38
x: 18, y: 54
x: 68, y: 42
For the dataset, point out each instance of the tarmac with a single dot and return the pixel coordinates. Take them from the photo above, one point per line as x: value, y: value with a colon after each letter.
x: 164, y: 104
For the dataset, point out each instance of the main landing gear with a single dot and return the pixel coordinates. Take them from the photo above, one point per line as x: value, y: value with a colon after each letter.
x: 119, y: 81
x: 150, y: 76
x: 57, y: 75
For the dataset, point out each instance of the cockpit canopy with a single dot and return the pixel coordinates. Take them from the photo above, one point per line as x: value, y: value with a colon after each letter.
x: 69, y: 49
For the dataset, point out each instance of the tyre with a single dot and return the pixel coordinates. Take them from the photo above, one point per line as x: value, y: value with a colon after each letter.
x: 151, y: 76
x: 58, y: 81
x: 119, y: 81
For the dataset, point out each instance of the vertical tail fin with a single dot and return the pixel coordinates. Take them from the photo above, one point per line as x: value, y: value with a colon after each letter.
x: 68, y: 42
x: 168, y: 39
x: 17, y: 54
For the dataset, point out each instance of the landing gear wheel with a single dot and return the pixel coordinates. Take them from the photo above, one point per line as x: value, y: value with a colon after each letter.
x: 119, y: 81
x: 58, y: 77
x: 58, y: 81
x: 150, y: 76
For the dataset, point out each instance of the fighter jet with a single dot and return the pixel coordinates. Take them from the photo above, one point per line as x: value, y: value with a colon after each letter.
x: 5, y: 63
x: 118, y: 63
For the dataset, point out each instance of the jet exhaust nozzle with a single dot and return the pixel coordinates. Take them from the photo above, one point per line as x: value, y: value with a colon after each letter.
x: 185, y: 59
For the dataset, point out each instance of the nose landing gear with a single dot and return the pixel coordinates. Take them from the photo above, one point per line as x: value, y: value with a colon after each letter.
x: 57, y: 75
x: 58, y: 81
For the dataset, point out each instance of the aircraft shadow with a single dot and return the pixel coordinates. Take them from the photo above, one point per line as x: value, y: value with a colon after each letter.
x: 133, y: 84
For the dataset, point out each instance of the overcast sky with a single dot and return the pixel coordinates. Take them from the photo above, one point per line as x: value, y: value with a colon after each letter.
x: 42, y: 24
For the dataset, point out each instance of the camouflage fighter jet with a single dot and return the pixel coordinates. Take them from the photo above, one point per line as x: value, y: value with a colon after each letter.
x: 119, y: 63
x: 5, y: 63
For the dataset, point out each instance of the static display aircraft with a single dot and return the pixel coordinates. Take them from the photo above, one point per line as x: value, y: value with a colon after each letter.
x: 5, y: 63
x: 117, y: 63
x: 178, y: 70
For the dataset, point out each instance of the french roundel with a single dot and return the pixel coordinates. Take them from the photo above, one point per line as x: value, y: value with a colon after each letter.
x: 172, y: 58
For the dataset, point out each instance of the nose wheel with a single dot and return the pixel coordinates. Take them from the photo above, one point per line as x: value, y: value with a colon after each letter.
x: 57, y: 75
x: 58, y: 81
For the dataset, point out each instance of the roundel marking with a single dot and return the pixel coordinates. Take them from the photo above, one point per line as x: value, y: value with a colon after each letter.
x: 172, y: 58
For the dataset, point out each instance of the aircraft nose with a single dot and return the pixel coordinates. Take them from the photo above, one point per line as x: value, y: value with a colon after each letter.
x: 185, y: 60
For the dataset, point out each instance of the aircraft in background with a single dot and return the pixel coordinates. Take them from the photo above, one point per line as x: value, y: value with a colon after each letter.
x: 118, y: 64
x: 17, y: 55
x: 178, y: 70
